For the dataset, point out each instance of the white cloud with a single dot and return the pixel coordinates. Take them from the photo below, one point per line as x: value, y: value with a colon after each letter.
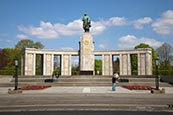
x: 164, y: 25
x: 130, y: 41
x: 21, y: 36
x: 67, y: 48
x: 97, y: 28
x: 72, y: 28
x: 47, y: 30
x: 102, y: 46
x: 139, y: 23
x: 117, y: 21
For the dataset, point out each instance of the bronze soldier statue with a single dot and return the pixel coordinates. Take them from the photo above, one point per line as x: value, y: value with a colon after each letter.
x: 86, y: 22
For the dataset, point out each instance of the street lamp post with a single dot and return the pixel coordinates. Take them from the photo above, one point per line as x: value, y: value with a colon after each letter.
x: 157, y: 76
x: 16, y: 74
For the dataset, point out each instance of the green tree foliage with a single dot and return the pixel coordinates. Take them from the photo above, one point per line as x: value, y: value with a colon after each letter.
x: 134, y: 57
x: 7, y: 56
x: 28, y: 44
x: 134, y: 68
x: 98, y: 67
x: 75, y: 70
x: 39, y: 65
x: 7, y: 66
x: 164, y: 53
x: 3, y: 58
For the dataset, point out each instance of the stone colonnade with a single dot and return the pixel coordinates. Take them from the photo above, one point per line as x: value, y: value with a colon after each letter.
x: 144, y: 61
x: 29, y: 61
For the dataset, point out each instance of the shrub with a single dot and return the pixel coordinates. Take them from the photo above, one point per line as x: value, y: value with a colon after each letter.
x: 9, y: 72
x: 165, y: 72
x: 6, y: 72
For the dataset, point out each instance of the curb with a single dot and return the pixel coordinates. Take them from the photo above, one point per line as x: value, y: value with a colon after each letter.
x: 86, y: 107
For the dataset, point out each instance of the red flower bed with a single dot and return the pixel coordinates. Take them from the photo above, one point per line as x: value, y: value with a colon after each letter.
x: 137, y: 87
x: 34, y: 87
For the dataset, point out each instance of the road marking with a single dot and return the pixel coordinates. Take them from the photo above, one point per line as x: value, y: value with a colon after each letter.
x: 86, y: 90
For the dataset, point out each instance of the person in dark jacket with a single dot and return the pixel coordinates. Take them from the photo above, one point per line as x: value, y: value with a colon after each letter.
x: 113, y: 82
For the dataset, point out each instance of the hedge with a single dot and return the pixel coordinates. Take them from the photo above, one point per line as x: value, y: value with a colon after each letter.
x: 165, y: 72
x: 8, y: 72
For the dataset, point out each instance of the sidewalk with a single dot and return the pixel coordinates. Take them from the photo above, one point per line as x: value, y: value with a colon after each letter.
x: 60, y: 90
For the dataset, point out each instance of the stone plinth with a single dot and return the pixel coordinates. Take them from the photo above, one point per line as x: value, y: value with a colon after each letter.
x: 86, y: 54
x: 10, y: 91
x: 158, y: 91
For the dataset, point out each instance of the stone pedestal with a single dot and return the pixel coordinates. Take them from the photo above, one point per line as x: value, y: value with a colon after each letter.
x: 159, y: 91
x: 10, y: 91
x: 86, y: 54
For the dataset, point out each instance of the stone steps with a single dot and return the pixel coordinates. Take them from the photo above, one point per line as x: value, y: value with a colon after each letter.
x: 82, y: 81
x: 104, y: 82
x: 82, y: 84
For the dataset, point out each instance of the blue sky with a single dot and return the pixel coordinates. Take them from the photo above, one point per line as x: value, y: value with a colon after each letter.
x: 116, y: 24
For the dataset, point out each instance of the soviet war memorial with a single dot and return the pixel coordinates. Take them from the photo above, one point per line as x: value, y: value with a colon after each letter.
x: 86, y: 57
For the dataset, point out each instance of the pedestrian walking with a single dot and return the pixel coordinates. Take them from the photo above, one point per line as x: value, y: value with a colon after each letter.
x: 113, y: 82
x: 115, y: 79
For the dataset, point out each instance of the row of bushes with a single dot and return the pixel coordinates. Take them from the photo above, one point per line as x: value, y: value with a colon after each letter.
x: 161, y: 72
x: 165, y: 72
x: 8, y: 72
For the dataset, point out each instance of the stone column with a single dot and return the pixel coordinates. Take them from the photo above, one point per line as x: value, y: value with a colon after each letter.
x: 34, y: 64
x: 66, y: 64
x: 129, y: 71
x: 25, y: 64
x: 111, y: 64
x: 29, y: 64
x: 148, y: 63
x: 48, y: 63
x: 121, y: 67
x: 107, y: 68
x: 125, y: 64
x: 22, y: 63
x: 141, y: 64
x: 103, y: 65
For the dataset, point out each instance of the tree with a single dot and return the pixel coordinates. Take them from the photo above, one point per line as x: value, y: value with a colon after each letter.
x: 98, y: 66
x: 164, y: 53
x: 12, y: 54
x: 75, y: 70
x: 134, y: 57
x: 9, y: 54
x: 28, y: 44
x: 3, y: 58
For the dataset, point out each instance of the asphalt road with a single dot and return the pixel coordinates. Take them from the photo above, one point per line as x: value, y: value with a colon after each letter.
x: 107, y: 102
x: 86, y: 113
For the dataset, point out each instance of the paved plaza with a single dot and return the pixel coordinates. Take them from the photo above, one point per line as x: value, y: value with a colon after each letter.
x: 104, y: 90
x: 82, y: 98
